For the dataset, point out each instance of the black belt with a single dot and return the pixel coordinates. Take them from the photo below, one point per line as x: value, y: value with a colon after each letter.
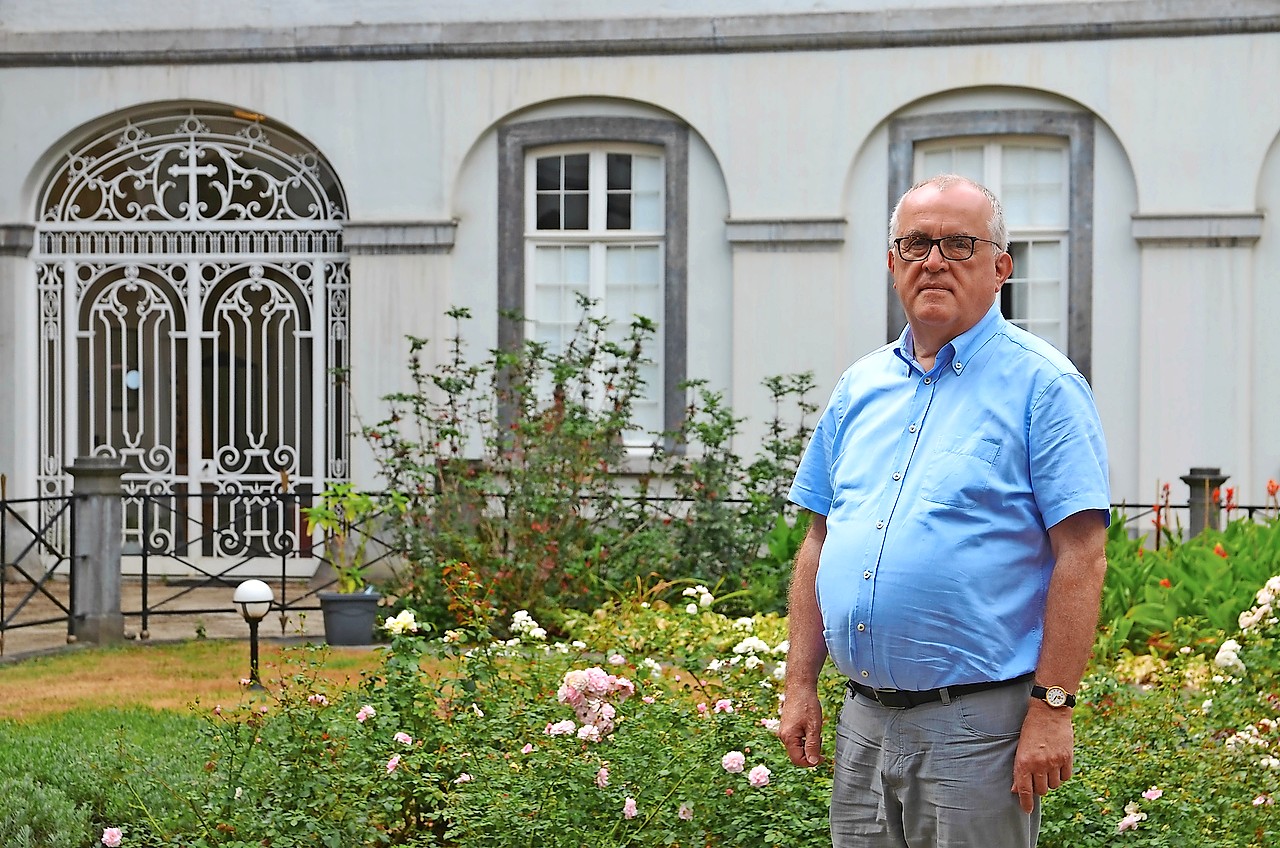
x: 903, y: 699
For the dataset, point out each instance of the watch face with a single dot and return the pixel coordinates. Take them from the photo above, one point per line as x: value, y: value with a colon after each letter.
x: 1056, y: 696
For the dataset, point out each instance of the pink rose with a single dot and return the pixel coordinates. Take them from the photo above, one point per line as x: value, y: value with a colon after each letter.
x: 733, y: 762
x: 602, y: 777
x: 685, y: 813
x: 724, y: 705
x: 1152, y: 794
x: 561, y: 728
x: 403, y: 738
x: 617, y: 659
x: 629, y: 808
x: 702, y: 709
x: 599, y: 682
x: 365, y: 713
x: 1129, y: 822
x: 759, y: 776
x: 393, y: 763
x: 112, y: 837
x: 623, y: 687
x: 528, y: 747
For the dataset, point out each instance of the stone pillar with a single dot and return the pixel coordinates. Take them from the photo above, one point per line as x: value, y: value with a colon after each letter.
x: 1204, y: 506
x: 96, y: 546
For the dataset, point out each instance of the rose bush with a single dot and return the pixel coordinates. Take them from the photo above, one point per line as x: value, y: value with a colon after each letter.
x: 470, y: 740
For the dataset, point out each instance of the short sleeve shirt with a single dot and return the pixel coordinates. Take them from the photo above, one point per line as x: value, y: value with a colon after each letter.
x: 938, y: 489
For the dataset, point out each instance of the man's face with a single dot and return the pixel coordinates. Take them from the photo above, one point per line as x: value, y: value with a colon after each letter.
x: 943, y: 297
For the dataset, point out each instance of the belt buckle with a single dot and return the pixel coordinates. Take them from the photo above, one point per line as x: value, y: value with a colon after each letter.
x: 894, y: 699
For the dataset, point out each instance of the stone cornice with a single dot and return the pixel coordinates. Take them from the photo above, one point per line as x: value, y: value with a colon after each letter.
x: 959, y: 24
x: 1199, y: 229
x: 784, y: 233
x: 17, y: 239
x: 380, y: 238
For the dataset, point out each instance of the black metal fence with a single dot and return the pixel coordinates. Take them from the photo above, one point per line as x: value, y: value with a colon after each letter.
x: 181, y: 544
x: 34, y: 553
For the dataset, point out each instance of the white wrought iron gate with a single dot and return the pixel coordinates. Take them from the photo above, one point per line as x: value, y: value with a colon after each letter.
x: 193, y: 322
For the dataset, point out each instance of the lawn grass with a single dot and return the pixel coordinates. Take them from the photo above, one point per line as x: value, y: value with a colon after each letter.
x: 161, y: 676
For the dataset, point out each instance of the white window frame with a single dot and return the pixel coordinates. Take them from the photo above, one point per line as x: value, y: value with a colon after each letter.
x: 598, y: 238
x: 1077, y: 128
x: 669, y: 137
x: 994, y: 149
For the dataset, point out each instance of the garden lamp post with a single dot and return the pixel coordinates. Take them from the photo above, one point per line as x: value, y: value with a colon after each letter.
x: 255, y: 599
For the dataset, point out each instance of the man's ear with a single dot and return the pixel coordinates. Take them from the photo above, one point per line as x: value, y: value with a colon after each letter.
x: 1004, y: 268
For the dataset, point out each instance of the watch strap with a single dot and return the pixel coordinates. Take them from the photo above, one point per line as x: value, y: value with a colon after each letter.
x: 1042, y: 692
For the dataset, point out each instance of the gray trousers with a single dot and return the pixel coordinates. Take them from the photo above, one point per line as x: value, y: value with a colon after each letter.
x: 933, y: 776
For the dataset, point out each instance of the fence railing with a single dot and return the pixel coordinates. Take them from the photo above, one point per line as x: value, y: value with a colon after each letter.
x: 180, y: 544
x: 33, y: 548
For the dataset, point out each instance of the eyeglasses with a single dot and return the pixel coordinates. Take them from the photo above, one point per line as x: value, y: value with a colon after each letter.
x: 955, y: 248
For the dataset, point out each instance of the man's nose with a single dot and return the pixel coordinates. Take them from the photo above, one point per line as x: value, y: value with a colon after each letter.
x: 929, y: 261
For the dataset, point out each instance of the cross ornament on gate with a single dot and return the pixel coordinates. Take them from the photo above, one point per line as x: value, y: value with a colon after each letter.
x: 192, y: 171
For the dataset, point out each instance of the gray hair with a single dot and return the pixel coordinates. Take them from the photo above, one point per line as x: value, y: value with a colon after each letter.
x: 997, y: 229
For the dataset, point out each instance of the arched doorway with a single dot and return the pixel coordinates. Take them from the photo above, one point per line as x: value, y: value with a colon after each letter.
x: 193, y: 319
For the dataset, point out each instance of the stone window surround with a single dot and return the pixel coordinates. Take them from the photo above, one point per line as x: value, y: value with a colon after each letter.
x: 1078, y: 130
x: 514, y: 142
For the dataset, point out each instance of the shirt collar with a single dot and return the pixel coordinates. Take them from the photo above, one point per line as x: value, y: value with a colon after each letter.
x: 955, y: 353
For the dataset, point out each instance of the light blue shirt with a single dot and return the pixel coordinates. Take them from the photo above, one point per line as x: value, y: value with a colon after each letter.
x: 938, y: 488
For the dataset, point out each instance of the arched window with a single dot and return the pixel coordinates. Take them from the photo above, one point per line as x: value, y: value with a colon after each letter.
x: 597, y: 207
x: 1040, y: 164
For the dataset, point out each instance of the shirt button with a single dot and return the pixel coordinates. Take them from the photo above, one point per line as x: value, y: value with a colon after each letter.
x: 866, y: 575
x: 911, y: 429
x: 879, y: 525
x: 959, y: 366
x: 897, y: 475
x: 928, y: 380
x: 866, y: 674
x: 861, y: 627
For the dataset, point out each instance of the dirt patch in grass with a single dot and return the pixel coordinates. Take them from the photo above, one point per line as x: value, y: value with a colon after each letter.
x: 167, y: 676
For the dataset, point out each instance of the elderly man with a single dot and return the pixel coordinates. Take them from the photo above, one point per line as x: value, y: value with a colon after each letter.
x: 958, y: 485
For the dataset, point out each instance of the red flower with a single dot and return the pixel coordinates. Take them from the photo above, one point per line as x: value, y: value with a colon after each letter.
x: 1272, y: 488
x: 1166, y: 583
x: 1220, y: 551
x: 1215, y: 495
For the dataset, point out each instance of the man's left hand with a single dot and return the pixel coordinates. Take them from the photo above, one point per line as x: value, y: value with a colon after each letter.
x: 1043, y: 761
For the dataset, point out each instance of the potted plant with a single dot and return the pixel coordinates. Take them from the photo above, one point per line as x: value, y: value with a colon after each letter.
x: 345, y: 515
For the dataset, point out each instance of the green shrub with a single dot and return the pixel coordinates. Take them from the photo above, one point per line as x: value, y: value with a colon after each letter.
x: 1204, y: 583
x: 517, y: 467
x: 37, y: 815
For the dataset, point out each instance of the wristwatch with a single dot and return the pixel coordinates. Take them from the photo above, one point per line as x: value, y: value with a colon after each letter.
x: 1054, y: 696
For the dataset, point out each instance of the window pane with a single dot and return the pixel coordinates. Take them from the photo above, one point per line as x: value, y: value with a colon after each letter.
x: 548, y: 211
x: 1033, y: 297
x: 619, y: 170
x: 646, y: 212
x: 575, y: 211
x: 577, y: 266
x: 575, y: 172
x: 549, y: 173
x: 1034, y: 186
x: 546, y: 266
x: 964, y: 160
x: 619, y: 212
x: 647, y: 174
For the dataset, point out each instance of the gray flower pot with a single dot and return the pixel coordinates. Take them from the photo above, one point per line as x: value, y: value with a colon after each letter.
x: 349, y: 618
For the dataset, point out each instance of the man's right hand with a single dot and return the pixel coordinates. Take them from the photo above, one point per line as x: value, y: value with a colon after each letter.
x: 801, y: 727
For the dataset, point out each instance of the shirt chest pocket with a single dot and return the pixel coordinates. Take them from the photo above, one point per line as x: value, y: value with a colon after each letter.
x: 959, y: 475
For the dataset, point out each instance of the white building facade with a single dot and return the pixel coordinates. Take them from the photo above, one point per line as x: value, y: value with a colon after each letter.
x: 204, y: 212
